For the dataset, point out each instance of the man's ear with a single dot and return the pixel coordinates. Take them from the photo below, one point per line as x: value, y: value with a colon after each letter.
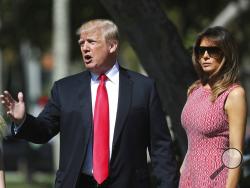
x: 113, y: 45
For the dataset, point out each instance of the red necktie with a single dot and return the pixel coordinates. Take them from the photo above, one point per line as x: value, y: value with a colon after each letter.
x: 101, y: 133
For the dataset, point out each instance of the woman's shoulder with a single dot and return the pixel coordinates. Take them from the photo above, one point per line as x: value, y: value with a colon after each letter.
x: 236, y: 99
x: 236, y: 91
x: 194, y: 86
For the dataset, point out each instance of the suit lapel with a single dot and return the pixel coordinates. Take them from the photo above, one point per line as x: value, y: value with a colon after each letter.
x: 84, y: 96
x: 124, y: 101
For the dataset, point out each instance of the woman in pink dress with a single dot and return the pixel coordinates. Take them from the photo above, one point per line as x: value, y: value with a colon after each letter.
x: 214, y: 116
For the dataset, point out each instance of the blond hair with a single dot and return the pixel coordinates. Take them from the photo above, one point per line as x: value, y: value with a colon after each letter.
x: 108, y: 28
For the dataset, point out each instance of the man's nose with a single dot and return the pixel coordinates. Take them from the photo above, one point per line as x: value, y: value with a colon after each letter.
x: 85, y: 47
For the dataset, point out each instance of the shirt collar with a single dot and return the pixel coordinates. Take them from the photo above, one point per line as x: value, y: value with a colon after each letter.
x: 111, y: 73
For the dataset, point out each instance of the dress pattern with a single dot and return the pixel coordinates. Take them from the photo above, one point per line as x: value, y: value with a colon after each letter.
x: 206, y: 125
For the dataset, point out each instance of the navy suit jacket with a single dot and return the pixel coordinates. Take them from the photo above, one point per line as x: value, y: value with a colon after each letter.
x: 140, y: 124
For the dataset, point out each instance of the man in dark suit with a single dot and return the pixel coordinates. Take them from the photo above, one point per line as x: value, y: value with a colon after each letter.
x: 128, y: 114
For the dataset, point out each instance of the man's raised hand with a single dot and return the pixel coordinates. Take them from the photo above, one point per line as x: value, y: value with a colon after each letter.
x: 14, y: 109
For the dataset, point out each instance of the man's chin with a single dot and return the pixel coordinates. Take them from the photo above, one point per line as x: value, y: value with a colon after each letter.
x: 92, y: 69
x: 90, y: 65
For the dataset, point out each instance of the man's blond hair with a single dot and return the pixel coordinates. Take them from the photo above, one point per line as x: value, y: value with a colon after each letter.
x: 108, y: 28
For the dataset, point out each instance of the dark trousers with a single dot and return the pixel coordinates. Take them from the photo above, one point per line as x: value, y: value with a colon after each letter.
x: 86, y: 181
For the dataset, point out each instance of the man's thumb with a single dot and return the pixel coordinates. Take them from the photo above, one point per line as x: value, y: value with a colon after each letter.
x: 20, y: 97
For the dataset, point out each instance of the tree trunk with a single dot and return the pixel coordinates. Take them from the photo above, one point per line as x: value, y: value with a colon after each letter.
x: 161, y: 53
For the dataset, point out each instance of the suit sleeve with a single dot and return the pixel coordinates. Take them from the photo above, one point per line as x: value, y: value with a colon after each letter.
x: 42, y: 128
x: 163, y: 160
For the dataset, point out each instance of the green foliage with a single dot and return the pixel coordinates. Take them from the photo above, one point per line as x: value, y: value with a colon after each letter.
x: 19, y: 180
x: 32, y: 20
x: 192, y: 16
x: 29, y: 20
x: 129, y: 57
x: 28, y: 185
x: 3, y: 128
x: 26, y: 20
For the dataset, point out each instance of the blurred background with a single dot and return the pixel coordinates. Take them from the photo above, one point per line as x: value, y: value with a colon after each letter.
x: 38, y: 45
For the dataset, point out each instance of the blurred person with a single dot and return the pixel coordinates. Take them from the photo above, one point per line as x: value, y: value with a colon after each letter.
x: 2, y: 134
x: 107, y: 117
x: 214, y: 115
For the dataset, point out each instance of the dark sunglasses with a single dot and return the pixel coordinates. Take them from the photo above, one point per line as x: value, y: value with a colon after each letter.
x: 213, y: 51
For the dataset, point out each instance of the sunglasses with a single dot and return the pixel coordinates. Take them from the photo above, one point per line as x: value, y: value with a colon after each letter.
x: 213, y: 51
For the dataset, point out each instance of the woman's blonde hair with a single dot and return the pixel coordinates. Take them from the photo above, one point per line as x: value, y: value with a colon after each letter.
x: 228, y: 71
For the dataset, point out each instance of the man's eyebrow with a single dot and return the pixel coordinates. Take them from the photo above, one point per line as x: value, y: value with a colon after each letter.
x: 80, y: 41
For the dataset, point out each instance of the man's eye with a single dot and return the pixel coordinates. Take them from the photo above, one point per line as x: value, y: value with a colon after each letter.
x: 81, y: 43
x: 91, y: 41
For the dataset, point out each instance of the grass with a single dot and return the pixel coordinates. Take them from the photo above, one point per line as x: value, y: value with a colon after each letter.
x: 19, y: 180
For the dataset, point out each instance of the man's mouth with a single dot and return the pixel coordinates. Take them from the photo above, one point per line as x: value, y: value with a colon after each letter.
x: 87, y: 59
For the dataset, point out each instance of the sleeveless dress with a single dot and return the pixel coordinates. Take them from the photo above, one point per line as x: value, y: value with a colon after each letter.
x: 207, y: 131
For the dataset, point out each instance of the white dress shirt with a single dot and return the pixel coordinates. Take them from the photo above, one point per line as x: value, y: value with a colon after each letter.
x: 112, y: 86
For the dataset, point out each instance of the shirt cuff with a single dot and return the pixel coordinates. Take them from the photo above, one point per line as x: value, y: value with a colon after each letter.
x: 18, y: 126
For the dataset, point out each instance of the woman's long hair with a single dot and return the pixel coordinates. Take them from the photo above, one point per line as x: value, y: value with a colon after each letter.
x: 228, y: 71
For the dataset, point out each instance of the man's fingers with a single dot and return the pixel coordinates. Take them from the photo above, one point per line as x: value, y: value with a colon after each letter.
x: 7, y: 107
x: 9, y: 113
x: 4, y: 104
x: 20, y: 97
x: 8, y: 97
x: 9, y: 100
x: 5, y: 97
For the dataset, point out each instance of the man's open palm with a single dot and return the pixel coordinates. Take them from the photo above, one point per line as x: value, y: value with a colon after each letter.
x: 14, y: 109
